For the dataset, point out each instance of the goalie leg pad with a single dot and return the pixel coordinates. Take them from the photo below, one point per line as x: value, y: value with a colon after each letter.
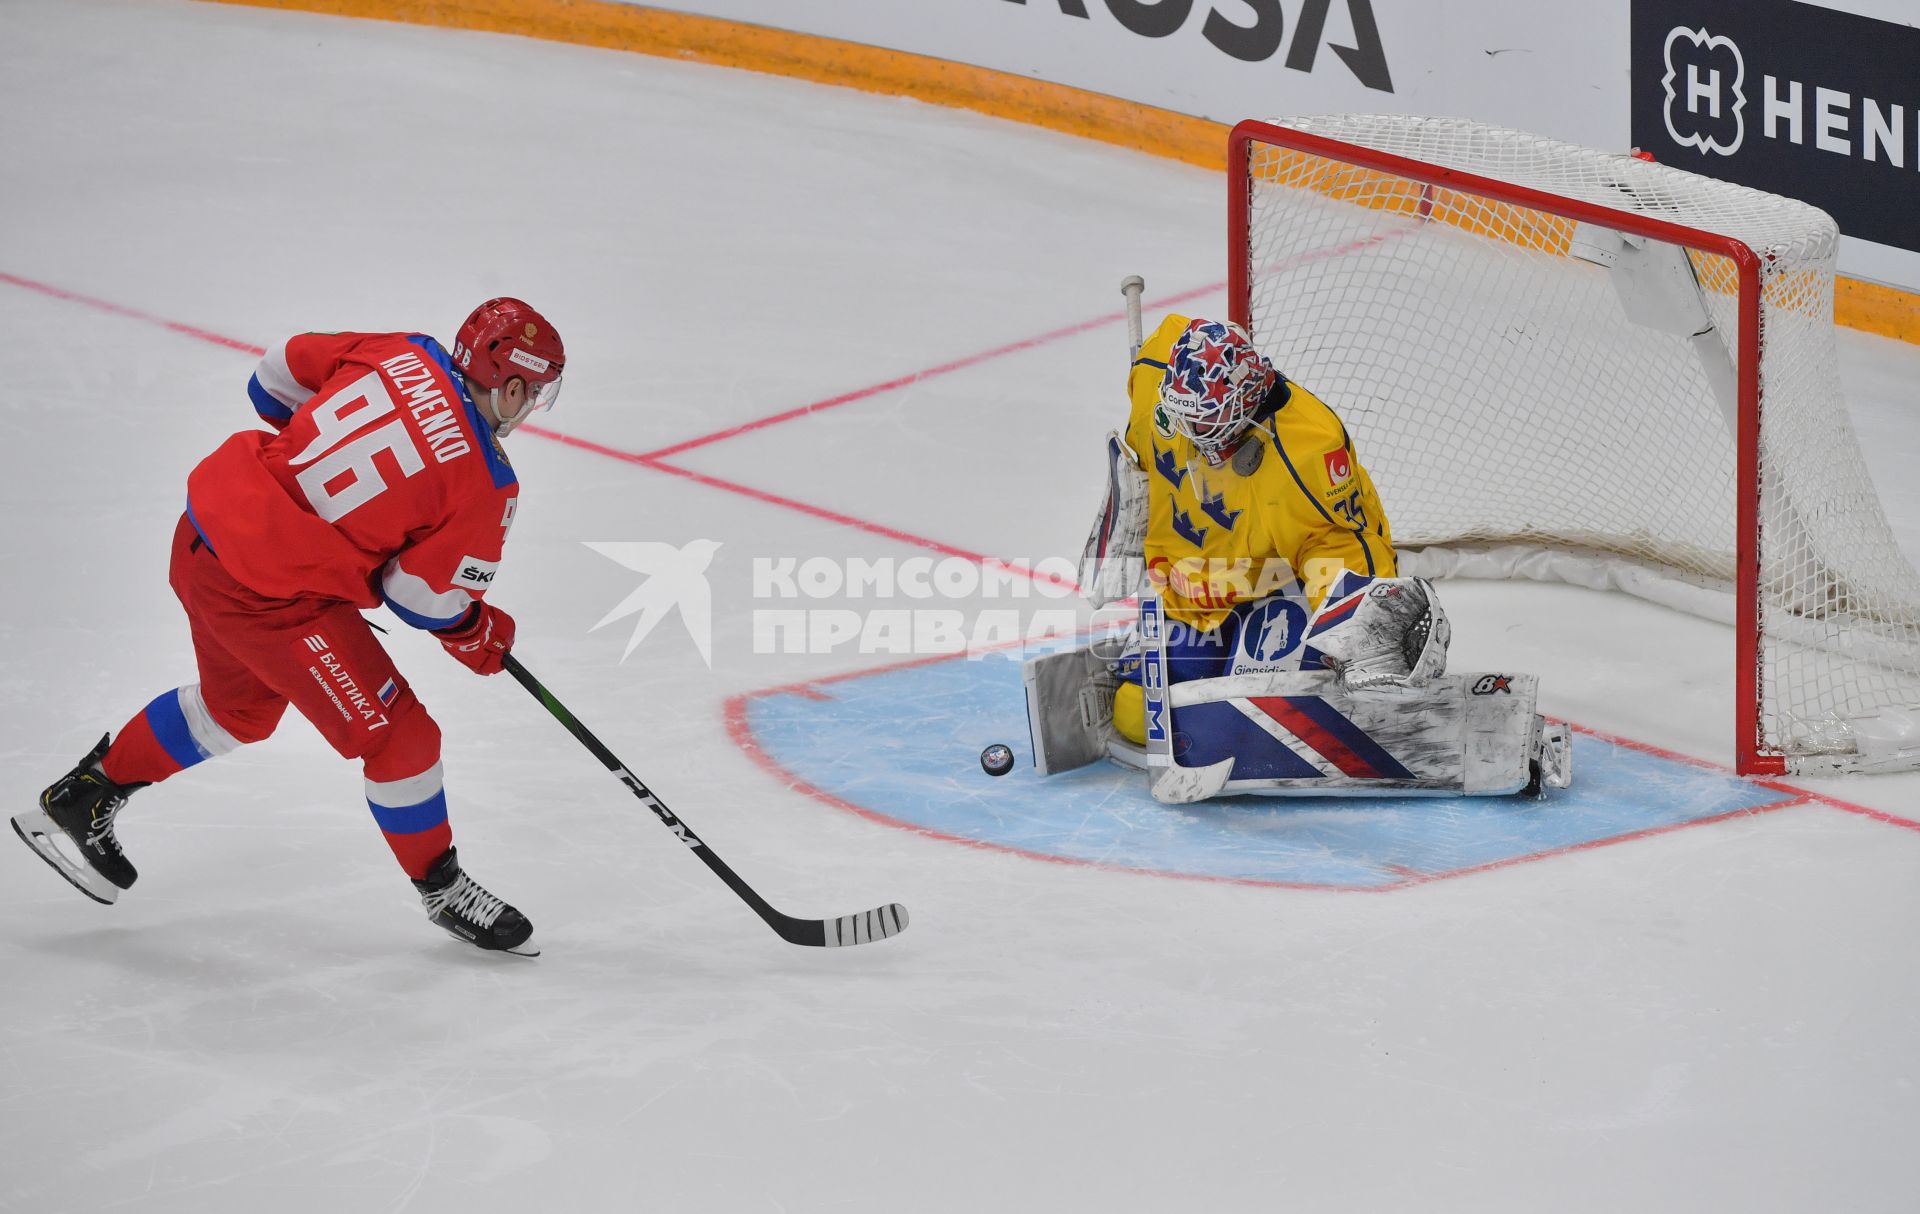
x: 1305, y: 734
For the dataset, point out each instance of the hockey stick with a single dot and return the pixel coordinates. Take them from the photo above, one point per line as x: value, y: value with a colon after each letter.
x: 1131, y: 286
x: 1169, y: 780
x: 876, y: 924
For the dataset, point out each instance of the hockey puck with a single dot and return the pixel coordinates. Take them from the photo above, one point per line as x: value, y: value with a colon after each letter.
x: 996, y: 760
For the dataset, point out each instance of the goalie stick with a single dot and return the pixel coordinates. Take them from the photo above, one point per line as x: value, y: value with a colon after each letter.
x: 1170, y: 781
x: 865, y: 927
x: 1131, y: 286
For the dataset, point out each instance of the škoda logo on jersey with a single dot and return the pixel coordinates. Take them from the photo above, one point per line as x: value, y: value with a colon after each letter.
x: 476, y: 573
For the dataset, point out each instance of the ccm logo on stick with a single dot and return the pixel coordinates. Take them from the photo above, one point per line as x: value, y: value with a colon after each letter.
x: 1257, y: 43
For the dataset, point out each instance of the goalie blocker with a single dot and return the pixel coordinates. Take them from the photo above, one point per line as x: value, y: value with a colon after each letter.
x: 1298, y: 733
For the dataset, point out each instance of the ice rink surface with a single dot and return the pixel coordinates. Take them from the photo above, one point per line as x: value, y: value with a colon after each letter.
x: 1724, y: 1015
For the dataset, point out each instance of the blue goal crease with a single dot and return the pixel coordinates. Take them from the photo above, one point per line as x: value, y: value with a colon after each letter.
x: 904, y: 744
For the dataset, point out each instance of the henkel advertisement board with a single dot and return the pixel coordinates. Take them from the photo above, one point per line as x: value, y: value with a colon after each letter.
x: 1793, y: 98
x: 1568, y: 69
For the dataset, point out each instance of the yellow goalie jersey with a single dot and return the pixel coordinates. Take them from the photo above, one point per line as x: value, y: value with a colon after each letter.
x: 1294, y: 490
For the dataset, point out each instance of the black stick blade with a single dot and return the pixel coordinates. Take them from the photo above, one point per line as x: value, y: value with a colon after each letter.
x: 867, y: 926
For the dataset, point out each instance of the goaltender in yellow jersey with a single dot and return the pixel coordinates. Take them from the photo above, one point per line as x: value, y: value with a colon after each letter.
x: 1253, y: 490
x: 1272, y: 610
x: 1292, y: 487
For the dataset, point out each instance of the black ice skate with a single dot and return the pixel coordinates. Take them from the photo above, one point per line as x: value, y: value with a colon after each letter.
x: 467, y: 911
x: 79, y: 808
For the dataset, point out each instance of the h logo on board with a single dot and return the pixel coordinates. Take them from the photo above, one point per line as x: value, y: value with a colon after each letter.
x: 1705, y: 87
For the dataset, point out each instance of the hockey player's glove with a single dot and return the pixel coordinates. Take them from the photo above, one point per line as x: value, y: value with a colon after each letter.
x: 480, y: 640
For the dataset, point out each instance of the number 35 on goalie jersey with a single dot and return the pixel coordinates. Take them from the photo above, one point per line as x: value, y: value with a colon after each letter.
x: 1307, y: 501
x: 383, y: 483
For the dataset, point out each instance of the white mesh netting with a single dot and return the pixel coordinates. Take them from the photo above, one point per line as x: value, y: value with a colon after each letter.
x: 1519, y: 423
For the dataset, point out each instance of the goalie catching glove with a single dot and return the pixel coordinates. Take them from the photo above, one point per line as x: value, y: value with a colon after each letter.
x: 1391, y: 632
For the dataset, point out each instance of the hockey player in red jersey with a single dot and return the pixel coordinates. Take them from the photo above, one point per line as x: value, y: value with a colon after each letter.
x: 382, y: 481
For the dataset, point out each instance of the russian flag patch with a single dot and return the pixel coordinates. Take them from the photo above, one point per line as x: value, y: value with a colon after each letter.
x: 388, y: 690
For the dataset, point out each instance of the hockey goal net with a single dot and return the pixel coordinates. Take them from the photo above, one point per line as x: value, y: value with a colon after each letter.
x: 1562, y: 363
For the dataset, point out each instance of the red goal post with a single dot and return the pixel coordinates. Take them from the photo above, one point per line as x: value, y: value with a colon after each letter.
x: 1488, y: 309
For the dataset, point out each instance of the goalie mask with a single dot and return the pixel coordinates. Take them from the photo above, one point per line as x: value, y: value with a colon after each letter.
x: 1215, y: 383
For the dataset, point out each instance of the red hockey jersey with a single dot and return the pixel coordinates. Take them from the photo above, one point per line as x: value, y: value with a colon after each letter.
x: 384, y: 483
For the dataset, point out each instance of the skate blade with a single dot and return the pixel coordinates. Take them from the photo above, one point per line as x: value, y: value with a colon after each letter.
x: 526, y: 948
x: 43, y: 835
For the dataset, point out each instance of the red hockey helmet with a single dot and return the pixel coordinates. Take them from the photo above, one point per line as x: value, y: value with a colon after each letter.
x: 504, y: 338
